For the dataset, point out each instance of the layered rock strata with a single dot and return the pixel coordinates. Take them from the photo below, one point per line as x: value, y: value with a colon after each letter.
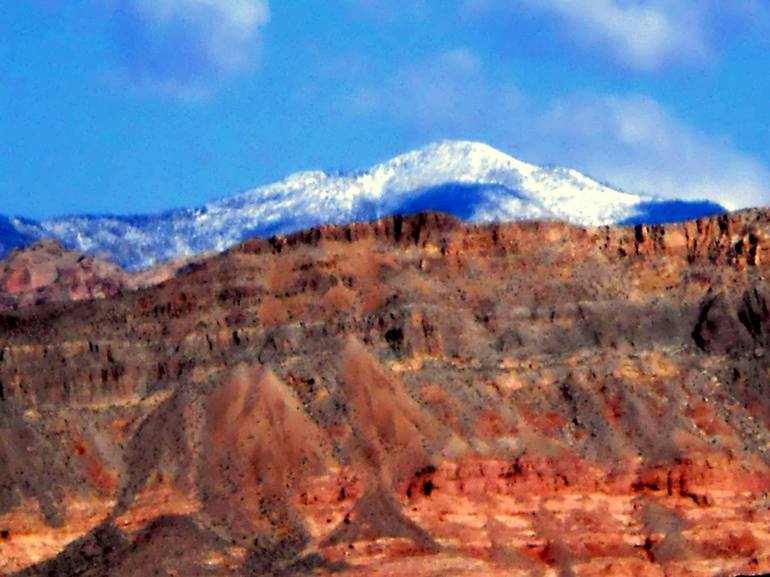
x: 412, y: 396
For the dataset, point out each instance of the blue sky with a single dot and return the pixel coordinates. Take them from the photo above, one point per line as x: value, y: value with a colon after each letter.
x: 131, y: 106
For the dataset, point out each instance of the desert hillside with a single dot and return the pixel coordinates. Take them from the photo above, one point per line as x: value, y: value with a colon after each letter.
x: 414, y: 396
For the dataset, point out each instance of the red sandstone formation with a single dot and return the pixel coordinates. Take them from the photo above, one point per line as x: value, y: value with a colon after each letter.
x: 413, y: 396
x: 46, y: 272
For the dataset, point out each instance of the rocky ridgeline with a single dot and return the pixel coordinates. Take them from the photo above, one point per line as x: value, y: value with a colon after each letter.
x: 409, y: 396
x: 736, y: 238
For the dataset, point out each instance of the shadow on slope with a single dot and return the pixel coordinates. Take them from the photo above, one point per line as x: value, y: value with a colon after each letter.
x: 35, y: 465
x: 11, y: 237
x: 394, y: 437
x: 669, y: 211
x: 458, y: 199
x: 169, y: 545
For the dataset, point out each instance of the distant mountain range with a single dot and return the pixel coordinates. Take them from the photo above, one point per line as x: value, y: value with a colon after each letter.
x: 469, y: 180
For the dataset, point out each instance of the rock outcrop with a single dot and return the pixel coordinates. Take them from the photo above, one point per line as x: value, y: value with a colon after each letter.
x: 46, y: 272
x: 413, y: 396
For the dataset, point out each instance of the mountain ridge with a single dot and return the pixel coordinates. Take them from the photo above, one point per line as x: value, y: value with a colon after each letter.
x: 470, y: 180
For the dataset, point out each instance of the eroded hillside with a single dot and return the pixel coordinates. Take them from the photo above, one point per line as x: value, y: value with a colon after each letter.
x: 46, y: 272
x: 408, y: 397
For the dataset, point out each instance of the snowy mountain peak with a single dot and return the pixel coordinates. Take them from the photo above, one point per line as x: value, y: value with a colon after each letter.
x: 470, y: 180
x: 469, y: 153
x: 453, y: 152
x: 453, y: 160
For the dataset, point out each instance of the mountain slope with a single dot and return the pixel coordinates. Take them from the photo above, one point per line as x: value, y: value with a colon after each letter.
x: 412, y: 397
x: 12, y: 235
x: 46, y: 272
x: 465, y: 179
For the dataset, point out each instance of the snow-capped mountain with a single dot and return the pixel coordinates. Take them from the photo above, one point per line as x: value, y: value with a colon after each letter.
x: 470, y: 180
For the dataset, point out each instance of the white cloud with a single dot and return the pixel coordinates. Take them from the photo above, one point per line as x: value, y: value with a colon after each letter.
x: 637, y: 144
x: 445, y: 94
x: 641, y: 34
x: 630, y: 141
x: 184, y: 47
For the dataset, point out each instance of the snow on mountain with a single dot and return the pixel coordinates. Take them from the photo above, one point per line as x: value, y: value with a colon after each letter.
x: 470, y: 180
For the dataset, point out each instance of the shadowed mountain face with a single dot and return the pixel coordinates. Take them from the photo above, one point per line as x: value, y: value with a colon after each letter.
x: 670, y: 211
x: 11, y: 237
x: 412, y: 396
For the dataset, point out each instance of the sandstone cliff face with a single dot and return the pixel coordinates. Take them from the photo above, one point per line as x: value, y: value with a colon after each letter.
x: 412, y: 396
x: 46, y: 272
